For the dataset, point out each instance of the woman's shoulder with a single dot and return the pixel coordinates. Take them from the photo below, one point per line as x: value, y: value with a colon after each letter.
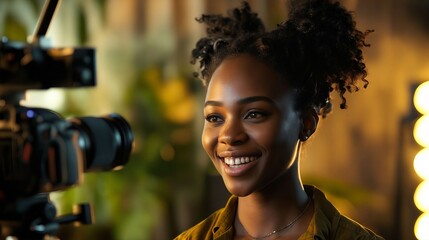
x: 217, y: 224
x: 330, y: 223
x: 350, y: 229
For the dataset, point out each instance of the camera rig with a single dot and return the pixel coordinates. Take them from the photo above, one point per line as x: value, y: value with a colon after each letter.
x: 40, y: 151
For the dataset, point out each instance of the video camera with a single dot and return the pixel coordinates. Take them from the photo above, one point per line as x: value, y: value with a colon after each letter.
x: 40, y: 151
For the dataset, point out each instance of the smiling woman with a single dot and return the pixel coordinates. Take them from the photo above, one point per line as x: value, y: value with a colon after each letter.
x: 253, y: 118
x: 265, y: 94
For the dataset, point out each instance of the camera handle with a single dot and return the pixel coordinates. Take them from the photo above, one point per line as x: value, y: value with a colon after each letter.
x: 45, y: 18
x: 35, y: 217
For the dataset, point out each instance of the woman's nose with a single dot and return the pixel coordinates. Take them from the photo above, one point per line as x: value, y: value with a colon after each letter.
x: 232, y: 133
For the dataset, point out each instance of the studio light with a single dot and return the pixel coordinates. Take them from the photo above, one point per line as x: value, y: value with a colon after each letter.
x: 421, y: 160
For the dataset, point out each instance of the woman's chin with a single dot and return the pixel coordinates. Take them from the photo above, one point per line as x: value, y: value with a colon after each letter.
x: 238, y: 190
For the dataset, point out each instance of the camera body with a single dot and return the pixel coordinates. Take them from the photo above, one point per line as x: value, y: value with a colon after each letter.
x: 37, y: 152
x: 40, y: 151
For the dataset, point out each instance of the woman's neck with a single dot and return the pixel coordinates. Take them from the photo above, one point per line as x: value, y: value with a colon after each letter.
x: 274, y: 207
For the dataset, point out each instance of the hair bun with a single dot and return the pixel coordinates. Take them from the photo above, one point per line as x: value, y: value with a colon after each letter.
x: 333, y: 43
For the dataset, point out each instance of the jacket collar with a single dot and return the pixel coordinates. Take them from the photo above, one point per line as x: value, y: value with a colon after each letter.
x: 223, y: 227
x: 326, y: 216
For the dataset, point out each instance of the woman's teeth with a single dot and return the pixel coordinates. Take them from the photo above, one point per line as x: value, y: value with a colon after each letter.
x: 234, y: 161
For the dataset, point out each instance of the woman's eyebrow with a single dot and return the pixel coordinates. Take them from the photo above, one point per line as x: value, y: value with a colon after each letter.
x: 256, y: 99
x: 213, y: 103
x: 242, y: 101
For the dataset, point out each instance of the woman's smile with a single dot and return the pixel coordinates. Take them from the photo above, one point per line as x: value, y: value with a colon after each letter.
x: 237, y: 164
x: 236, y: 167
x: 238, y: 161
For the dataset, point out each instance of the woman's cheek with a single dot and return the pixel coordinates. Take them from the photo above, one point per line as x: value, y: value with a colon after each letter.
x: 208, y: 140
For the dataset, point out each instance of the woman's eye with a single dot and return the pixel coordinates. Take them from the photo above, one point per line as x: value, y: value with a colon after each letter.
x: 254, y: 115
x: 213, y: 118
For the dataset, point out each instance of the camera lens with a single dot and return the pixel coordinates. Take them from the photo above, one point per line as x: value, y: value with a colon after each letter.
x: 106, y: 141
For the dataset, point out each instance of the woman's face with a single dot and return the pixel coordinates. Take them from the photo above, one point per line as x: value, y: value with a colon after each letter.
x: 251, y: 129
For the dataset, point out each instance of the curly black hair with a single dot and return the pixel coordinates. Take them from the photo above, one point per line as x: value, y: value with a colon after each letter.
x: 317, y: 50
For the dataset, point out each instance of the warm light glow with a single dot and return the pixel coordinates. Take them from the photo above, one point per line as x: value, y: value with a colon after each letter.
x: 421, y: 131
x: 421, y: 197
x: 421, y: 163
x: 421, y: 98
x: 421, y: 229
x: 53, y: 98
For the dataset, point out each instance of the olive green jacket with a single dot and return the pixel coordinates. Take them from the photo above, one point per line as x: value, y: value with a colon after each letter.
x: 329, y: 223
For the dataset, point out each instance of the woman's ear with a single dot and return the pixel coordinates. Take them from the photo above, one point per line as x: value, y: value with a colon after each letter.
x: 309, y: 121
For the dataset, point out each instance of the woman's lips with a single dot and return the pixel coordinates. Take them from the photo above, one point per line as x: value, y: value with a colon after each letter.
x: 238, y: 166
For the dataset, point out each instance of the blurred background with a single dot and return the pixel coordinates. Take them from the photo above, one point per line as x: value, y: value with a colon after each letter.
x: 361, y: 157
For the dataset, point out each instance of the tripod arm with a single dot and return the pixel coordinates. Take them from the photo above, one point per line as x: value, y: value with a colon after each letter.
x: 82, y: 214
x: 35, y: 217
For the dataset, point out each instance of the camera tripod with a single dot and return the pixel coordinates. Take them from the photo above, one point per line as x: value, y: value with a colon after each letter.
x: 34, y: 218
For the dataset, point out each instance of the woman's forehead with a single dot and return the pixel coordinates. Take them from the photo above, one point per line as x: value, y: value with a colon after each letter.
x: 244, y: 75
